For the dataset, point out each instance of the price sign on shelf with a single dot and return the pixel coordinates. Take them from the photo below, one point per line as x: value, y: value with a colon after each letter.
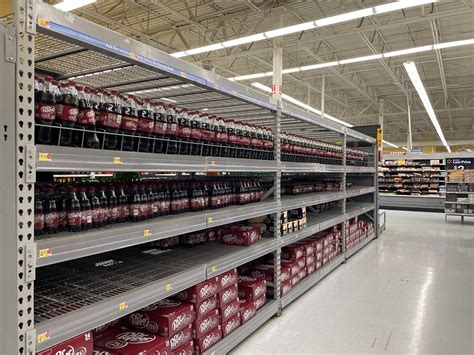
x: 168, y: 287
x: 45, y: 157
x: 459, y: 163
x: 123, y: 306
x: 41, y: 338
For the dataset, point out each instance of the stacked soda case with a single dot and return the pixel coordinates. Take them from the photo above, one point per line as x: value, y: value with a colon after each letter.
x: 357, y: 230
x: 297, y: 186
x: 69, y: 114
x: 61, y: 207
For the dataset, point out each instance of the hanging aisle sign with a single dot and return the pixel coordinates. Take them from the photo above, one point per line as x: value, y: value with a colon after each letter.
x: 459, y: 163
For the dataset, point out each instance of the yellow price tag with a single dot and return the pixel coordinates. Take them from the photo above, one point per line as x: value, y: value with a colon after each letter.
x: 123, y: 306
x: 133, y: 55
x: 214, y: 268
x: 146, y: 232
x: 44, y: 253
x: 44, y: 157
x: 118, y: 160
x: 210, y: 220
x: 43, y: 22
x: 213, y: 163
x: 169, y: 287
x: 41, y: 338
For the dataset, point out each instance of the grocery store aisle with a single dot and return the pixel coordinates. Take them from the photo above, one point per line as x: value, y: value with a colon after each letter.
x: 411, y: 291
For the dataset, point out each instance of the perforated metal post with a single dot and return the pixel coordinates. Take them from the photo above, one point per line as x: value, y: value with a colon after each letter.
x: 17, y: 252
x: 343, y: 232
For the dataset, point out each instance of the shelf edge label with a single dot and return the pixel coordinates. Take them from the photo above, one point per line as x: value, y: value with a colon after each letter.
x: 41, y: 338
x: 45, y: 157
x: 44, y: 253
x: 123, y: 306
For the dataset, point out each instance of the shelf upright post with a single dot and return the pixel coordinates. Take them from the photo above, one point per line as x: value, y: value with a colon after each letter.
x: 344, y: 201
x: 17, y: 174
x: 376, y: 192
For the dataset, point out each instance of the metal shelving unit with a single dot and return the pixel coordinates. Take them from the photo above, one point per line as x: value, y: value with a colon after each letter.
x: 359, y: 246
x: 103, y: 274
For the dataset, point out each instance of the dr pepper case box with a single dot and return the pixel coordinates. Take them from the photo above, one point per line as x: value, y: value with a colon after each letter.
x: 292, y: 252
x: 204, y: 307
x: 292, y: 265
x: 226, y: 279
x: 251, y: 288
x: 247, y: 310
x: 228, y: 295
x: 106, y: 327
x: 166, y: 317
x: 180, y: 338
x: 125, y: 341
x: 207, y: 340
x: 205, y: 324
x: 199, y: 292
x: 265, y: 272
x: 229, y: 310
x: 308, y: 247
x: 186, y: 349
x: 231, y: 325
x: 239, y: 235
x: 79, y: 345
x: 260, y: 302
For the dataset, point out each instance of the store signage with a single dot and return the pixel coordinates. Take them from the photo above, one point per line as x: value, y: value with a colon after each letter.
x: 459, y: 163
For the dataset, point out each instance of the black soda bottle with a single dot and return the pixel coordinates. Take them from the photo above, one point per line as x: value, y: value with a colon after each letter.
x: 104, y: 205
x: 129, y: 123
x: 67, y: 110
x: 113, y: 214
x: 96, y: 207
x: 123, y: 207
x: 196, y: 144
x: 51, y: 219
x: 159, y: 131
x: 86, y: 212
x: 144, y: 205
x: 207, y: 133
x: 74, y: 216
x: 135, y: 203
x: 222, y: 137
x: 86, y: 120
x: 184, y: 131
x: 172, y: 130
x: 109, y: 105
x: 146, y: 124
x: 45, y: 109
x: 39, y: 215
x: 215, y: 149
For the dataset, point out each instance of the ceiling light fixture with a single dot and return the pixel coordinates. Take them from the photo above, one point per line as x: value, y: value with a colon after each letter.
x: 400, y: 52
x: 370, y: 11
x: 301, y: 104
x: 69, y: 5
x: 410, y: 67
x: 390, y: 144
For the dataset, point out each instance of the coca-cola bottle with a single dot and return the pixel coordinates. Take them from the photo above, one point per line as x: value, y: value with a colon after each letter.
x: 67, y: 110
x: 207, y: 134
x: 184, y: 131
x: 110, y: 107
x: 85, y: 120
x: 171, y: 130
x: 196, y: 144
x: 74, y: 215
x: 216, y: 144
x: 61, y: 200
x: 129, y: 124
x: 45, y: 109
x: 144, y: 205
x: 95, y: 207
x: 159, y: 131
x: 113, y: 214
x: 39, y: 214
x: 86, y: 212
x: 146, y: 124
x: 222, y: 137
x: 123, y: 206
x: 135, y: 203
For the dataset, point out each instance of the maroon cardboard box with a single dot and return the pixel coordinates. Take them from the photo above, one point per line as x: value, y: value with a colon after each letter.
x: 260, y: 302
x: 292, y: 265
x: 308, y: 247
x: 231, y: 325
x: 319, y: 264
x: 319, y: 256
x: 251, y: 288
x: 204, y: 307
x: 228, y: 295
x: 247, y: 310
x: 325, y: 260
x: 199, y: 292
x: 239, y: 235
x: 226, y: 279
x: 303, y: 273
x: 310, y: 260
x: 207, y: 340
x: 126, y: 341
x: 229, y: 310
x: 311, y: 268
x: 285, y: 287
x: 301, y: 262
x: 265, y: 272
x: 165, y: 317
x: 206, y: 323
x: 181, y: 338
x: 106, y: 327
x: 81, y: 345
x: 186, y: 349
x: 295, y: 279
x: 292, y: 252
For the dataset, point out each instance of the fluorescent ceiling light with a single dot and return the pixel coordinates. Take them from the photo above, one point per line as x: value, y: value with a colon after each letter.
x: 360, y: 59
x: 390, y: 144
x: 301, y: 104
x: 169, y: 100
x: 410, y: 67
x: 405, y: 148
x: 68, y: 5
x: 380, y: 9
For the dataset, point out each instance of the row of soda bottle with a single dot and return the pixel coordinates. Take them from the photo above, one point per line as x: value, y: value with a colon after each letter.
x: 75, y: 207
x: 97, y: 118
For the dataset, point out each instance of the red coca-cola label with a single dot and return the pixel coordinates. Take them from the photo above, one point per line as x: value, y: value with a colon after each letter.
x: 74, y: 218
x: 86, y: 117
x: 110, y: 120
x: 184, y: 131
x: 146, y: 125
x: 97, y: 215
x: 67, y: 113
x: 51, y: 220
x: 129, y: 123
x: 196, y: 133
x: 172, y: 129
x: 39, y: 221
x: 46, y: 111
x: 233, y: 138
x: 160, y: 128
x: 86, y: 217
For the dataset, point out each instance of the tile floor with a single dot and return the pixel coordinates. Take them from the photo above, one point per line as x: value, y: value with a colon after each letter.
x: 410, y: 291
